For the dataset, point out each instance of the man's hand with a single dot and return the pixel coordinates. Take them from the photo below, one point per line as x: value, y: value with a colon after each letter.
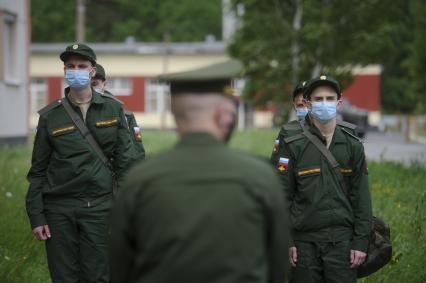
x: 292, y: 253
x: 357, y: 258
x: 42, y: 233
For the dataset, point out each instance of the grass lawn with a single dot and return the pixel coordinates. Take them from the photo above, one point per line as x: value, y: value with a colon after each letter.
x: 399, y: 196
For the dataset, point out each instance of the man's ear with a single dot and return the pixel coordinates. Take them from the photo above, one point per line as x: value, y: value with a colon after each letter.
x: 339, y: 101
x: 93, y: 72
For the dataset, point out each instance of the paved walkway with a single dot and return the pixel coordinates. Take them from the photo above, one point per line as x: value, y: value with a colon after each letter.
x: 392, y: 147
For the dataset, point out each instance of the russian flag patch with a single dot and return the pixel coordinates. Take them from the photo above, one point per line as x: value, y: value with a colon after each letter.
x: 282, y: 164
x: 276, y: 145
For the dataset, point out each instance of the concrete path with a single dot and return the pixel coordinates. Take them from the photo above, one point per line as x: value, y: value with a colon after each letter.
x: 392, y: 147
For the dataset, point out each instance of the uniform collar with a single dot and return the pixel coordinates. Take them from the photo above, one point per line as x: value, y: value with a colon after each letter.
x: 96, y: 97
x: 199, y: 139
x: 338, y: 135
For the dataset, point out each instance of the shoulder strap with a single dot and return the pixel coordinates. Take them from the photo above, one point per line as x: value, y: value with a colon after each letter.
x: 85, y: 132
x: 127, y: 112
x: 351, y: 134
x: 110, y: 95
x: 293, y: 138
x: 346, y: 124
x: 329, y: 156
x: 49, y: 107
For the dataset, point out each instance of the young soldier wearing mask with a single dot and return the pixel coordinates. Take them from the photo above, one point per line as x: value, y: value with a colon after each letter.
x: 299, y: 106
x: 99, y: 83
x: 331, y: 224
x: 71, y: 187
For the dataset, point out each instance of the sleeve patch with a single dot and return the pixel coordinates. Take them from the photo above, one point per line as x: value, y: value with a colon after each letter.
x: 276, y: 145
x: 282, y: 164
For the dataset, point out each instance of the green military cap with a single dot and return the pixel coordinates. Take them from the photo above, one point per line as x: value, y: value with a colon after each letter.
x: 300, y: 88
x: 81, y: 50
x: 200, y: 87
x: 321, y: 81
x: 100, y: 72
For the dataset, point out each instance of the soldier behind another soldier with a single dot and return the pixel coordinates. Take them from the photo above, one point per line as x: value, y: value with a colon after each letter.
x: 99, y: 83
x: 200, y: 212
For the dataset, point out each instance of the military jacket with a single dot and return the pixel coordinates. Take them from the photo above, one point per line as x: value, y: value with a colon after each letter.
x: 319, y: 208
x: 135, y: 132
x: 64, y: 168
x: 200, y: 213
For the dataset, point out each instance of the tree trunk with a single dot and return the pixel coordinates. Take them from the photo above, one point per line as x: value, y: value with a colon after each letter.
x: 295, y: 48
x: 410, y: 129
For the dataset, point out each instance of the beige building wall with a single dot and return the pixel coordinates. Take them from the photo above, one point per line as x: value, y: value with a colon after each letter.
x: 124, y: 65
x: 14, y: 86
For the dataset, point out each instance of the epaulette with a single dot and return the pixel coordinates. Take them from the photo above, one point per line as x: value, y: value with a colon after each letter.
x: 351, y: 134
x: 294, y: 138
x: 346, y: 124
x: 127, y: 112
x: 50, y: 106
x: 109, y: 95
x: 292, y: 126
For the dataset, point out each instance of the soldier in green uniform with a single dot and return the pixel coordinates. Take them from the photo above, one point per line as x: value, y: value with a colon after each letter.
x: 70, y: 192
x: 331, y: 226
x: 200, y: 212
x: 99, y: 83
x: 299, y: 104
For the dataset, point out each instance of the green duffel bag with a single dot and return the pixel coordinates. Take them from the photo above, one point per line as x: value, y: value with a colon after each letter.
x: 379, y: 249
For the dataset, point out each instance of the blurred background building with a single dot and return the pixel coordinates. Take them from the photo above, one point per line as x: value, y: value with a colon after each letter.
x: 133, y: 68
x: 14, y: 61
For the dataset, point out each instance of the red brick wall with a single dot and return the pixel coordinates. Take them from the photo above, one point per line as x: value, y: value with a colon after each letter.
x: 136, y: 101
x: 364, y: 92
x: 54, y: 88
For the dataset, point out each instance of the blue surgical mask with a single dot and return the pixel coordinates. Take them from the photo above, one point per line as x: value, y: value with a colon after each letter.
x: 301, y: 112
x: 77, y: 79
x: 324, y: 111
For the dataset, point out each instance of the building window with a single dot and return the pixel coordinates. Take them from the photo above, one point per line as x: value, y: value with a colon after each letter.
x: 8, y: 48
x: 38, y: 94
x: 120, y: 86
x: 157, y: 96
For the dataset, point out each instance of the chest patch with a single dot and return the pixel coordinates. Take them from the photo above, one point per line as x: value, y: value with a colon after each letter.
x: 346, y: 171
x: 306, y: 172
x: 107, y: 123
x: 62, y: 130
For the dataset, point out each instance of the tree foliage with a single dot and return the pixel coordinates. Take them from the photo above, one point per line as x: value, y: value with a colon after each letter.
x: 332, y: 36
x: 115, y: 20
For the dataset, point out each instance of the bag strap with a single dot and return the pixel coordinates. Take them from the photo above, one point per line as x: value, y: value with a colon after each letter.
x: 85, y: 132
x: 329, y: 156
